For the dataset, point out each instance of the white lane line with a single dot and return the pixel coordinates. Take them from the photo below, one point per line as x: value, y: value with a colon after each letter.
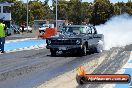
x: 121, y: 71
x: 130, y: 57
x: 17, y: 40
x: 28, y: 48
x: 127, y: 65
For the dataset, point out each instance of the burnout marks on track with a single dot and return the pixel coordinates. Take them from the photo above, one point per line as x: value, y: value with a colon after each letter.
x: 127, y: 70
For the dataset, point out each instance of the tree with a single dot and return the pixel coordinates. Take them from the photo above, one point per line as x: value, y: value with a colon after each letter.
x: 37, y: 11
x: 117, y: 9
x: 86, y: 11
x: 18, y: 12
x: 8, y: 0
x: 62, y: 10
x: 36, y: 8
x: 48, y: 12
x: 102, y: 11
x: 122, y: 7
x: 129, y: 7
x: 74, y: 11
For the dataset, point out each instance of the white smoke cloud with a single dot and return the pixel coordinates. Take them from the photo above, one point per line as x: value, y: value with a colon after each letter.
x: 117, y: 31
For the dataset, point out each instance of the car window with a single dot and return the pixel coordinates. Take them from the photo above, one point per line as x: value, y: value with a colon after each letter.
x: 78, y: 30
x: 46, y: 26
x: 71, y: 29
x: 85, y: 30
x: 92, y: 30
x: 89, y: 31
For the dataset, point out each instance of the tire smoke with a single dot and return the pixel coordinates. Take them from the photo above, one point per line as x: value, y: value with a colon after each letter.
x: 117, y: 31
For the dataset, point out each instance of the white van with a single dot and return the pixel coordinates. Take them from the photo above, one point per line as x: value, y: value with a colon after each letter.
x: 44, y: 26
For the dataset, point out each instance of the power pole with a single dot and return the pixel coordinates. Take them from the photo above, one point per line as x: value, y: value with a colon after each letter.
x: 27, y: 15
x: 56, y: 14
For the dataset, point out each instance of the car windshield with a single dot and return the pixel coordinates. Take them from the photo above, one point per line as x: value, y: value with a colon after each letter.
x: 76, y: 30
x: 44, y: 25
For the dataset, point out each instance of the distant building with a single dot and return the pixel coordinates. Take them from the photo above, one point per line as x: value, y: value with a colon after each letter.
x: 39, y: 23
x: 5, y: 13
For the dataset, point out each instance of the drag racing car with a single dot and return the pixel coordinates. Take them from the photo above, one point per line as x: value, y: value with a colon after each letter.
x: 79, y: 39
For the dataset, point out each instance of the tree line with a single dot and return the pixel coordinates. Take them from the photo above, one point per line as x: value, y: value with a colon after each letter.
x: 74, y: 11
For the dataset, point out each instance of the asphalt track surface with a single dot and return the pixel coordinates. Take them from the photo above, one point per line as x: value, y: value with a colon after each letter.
x: 110, y: 66
x: 50, y: 67
x: 30, y: 68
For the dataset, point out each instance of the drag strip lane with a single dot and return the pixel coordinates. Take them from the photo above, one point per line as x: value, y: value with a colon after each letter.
x: 46, y: 67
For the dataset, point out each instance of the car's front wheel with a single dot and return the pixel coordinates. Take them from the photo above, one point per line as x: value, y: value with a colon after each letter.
x: 31, y: 31
x: 53, y: 52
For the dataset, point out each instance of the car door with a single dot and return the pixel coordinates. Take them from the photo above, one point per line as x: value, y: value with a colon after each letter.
x: 95, y: 36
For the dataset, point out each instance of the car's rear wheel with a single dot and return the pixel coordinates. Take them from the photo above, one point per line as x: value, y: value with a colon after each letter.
x: 99, y: 47
x: 53, y: 52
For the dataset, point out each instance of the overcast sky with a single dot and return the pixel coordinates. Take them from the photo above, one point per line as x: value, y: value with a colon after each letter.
x: 113, y: 1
